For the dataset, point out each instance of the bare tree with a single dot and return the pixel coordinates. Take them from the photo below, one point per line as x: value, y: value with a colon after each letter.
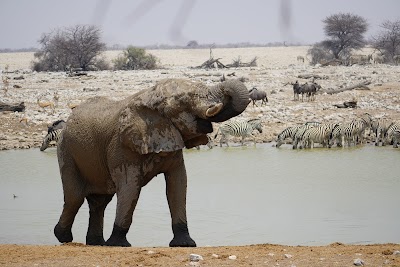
x: 345, y: 31
x: 387, y: 41
x: 77, y: 47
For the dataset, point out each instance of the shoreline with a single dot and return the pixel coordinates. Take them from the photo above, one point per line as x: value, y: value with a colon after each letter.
x: 76, y: 254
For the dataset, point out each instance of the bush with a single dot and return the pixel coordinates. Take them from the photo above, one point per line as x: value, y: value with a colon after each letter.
x: 319, y: 53
x: 134, y: 58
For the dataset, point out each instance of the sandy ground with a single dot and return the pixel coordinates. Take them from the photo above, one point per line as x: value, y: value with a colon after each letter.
x: 255, y: 255
x: 276, y: 67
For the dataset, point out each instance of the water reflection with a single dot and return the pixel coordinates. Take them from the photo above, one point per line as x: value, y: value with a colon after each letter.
x: 236, y: 196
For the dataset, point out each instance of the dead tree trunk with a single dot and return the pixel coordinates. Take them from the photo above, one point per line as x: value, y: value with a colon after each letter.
x: 12, y: 107
x: 359, y: 86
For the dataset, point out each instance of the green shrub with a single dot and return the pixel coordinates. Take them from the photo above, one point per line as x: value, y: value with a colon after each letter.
x: 134, y: 58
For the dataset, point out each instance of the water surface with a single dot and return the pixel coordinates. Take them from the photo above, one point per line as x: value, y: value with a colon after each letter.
x: 236, y: 196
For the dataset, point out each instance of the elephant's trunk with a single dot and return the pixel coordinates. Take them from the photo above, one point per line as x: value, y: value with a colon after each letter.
x: 234, y: 96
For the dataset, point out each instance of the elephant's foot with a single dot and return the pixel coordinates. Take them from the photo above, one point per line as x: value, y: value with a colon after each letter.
x: 118, y: 237
x: 64, y: 235
x: 95, y: 240
x: 181, y: 236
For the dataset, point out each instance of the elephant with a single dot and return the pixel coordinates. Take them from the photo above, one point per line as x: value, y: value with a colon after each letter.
x: 116, y: 147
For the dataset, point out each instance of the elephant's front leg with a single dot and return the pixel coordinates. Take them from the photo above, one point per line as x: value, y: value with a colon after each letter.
x: 128, y: 187
x: 176, y: 180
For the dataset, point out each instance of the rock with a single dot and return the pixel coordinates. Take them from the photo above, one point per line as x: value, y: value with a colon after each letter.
x: 195, y: 257
x: 232, y: 257
x: 358, y: 262
x: 288, y: 256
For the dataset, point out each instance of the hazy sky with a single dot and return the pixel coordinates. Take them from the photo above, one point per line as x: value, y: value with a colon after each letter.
x: 147, y: 22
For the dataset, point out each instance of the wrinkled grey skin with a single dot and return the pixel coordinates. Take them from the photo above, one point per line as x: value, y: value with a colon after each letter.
x: 117, y: 147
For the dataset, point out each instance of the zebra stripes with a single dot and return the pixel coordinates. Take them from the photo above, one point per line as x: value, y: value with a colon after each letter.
x: 380, y: 127
x: 289, y: 132
x: 238, y: 128
x: 54, y: 135
x: 396, y: 137
x: 389, y: 137
x: 319, y: 134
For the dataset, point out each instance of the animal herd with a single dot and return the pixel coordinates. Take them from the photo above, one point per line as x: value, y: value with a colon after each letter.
x: 382, y: 131
x: 300, y: 136
x: 307, y: 89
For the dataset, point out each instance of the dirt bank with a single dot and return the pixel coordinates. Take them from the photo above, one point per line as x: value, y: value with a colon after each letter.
x: 255, y: 255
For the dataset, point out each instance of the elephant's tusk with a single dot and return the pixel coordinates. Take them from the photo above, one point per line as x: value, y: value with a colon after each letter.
x: 214, y: 110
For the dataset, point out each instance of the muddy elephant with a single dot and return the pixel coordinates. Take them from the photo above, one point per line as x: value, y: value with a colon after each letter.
x: 116, y: 147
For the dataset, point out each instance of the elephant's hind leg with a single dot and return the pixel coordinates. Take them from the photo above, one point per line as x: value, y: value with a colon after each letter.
x: 73, y: 200
x: 97, y: 206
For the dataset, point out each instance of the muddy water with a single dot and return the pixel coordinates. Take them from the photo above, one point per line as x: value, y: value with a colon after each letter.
x: 236, y: 196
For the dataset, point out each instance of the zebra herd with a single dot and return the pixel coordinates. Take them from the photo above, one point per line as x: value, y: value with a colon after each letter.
x: 305, y: 135
x: 351, y: 133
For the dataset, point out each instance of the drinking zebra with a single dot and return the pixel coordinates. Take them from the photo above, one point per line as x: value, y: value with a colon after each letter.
x: 396, y: 137
x: 319, y: 134
x: 389, y: 137
x: 379, y: 127
x: 361, y: 124
x: 238, y: 128
x: 300, y: 131
x: 54, y: 135
x: 289, y: 132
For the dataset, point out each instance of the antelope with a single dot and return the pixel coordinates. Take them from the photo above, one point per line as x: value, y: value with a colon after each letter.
x: 56, y: 97
x: 72, y: 105
x: 24, y: 121
x: 45, y: 104
x: 6, y: 83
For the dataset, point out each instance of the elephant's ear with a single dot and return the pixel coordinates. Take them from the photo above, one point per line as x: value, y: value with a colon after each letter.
x: 145, y: 131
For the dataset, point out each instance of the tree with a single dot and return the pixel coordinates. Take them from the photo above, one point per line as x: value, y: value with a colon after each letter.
x: 345, y: 31
x: 74, y: 47
x: 135, y: 58
x: 192, y: 44
x: 387, y: 41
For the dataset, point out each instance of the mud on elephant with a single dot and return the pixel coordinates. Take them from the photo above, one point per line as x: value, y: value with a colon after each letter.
x: 116, y: 147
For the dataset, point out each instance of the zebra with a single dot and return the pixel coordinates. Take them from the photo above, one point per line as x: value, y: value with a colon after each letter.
x: 300, y: 131
x: 209, y: 144
x: 54, y: 135
x: 239, y: 128
x: 348, y: 132
x: 289, y: 132
x: 379, y: 127
x: 396, y: 137
x: 389, y: 136
x: 360, y: 125
x: 319, y: 134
